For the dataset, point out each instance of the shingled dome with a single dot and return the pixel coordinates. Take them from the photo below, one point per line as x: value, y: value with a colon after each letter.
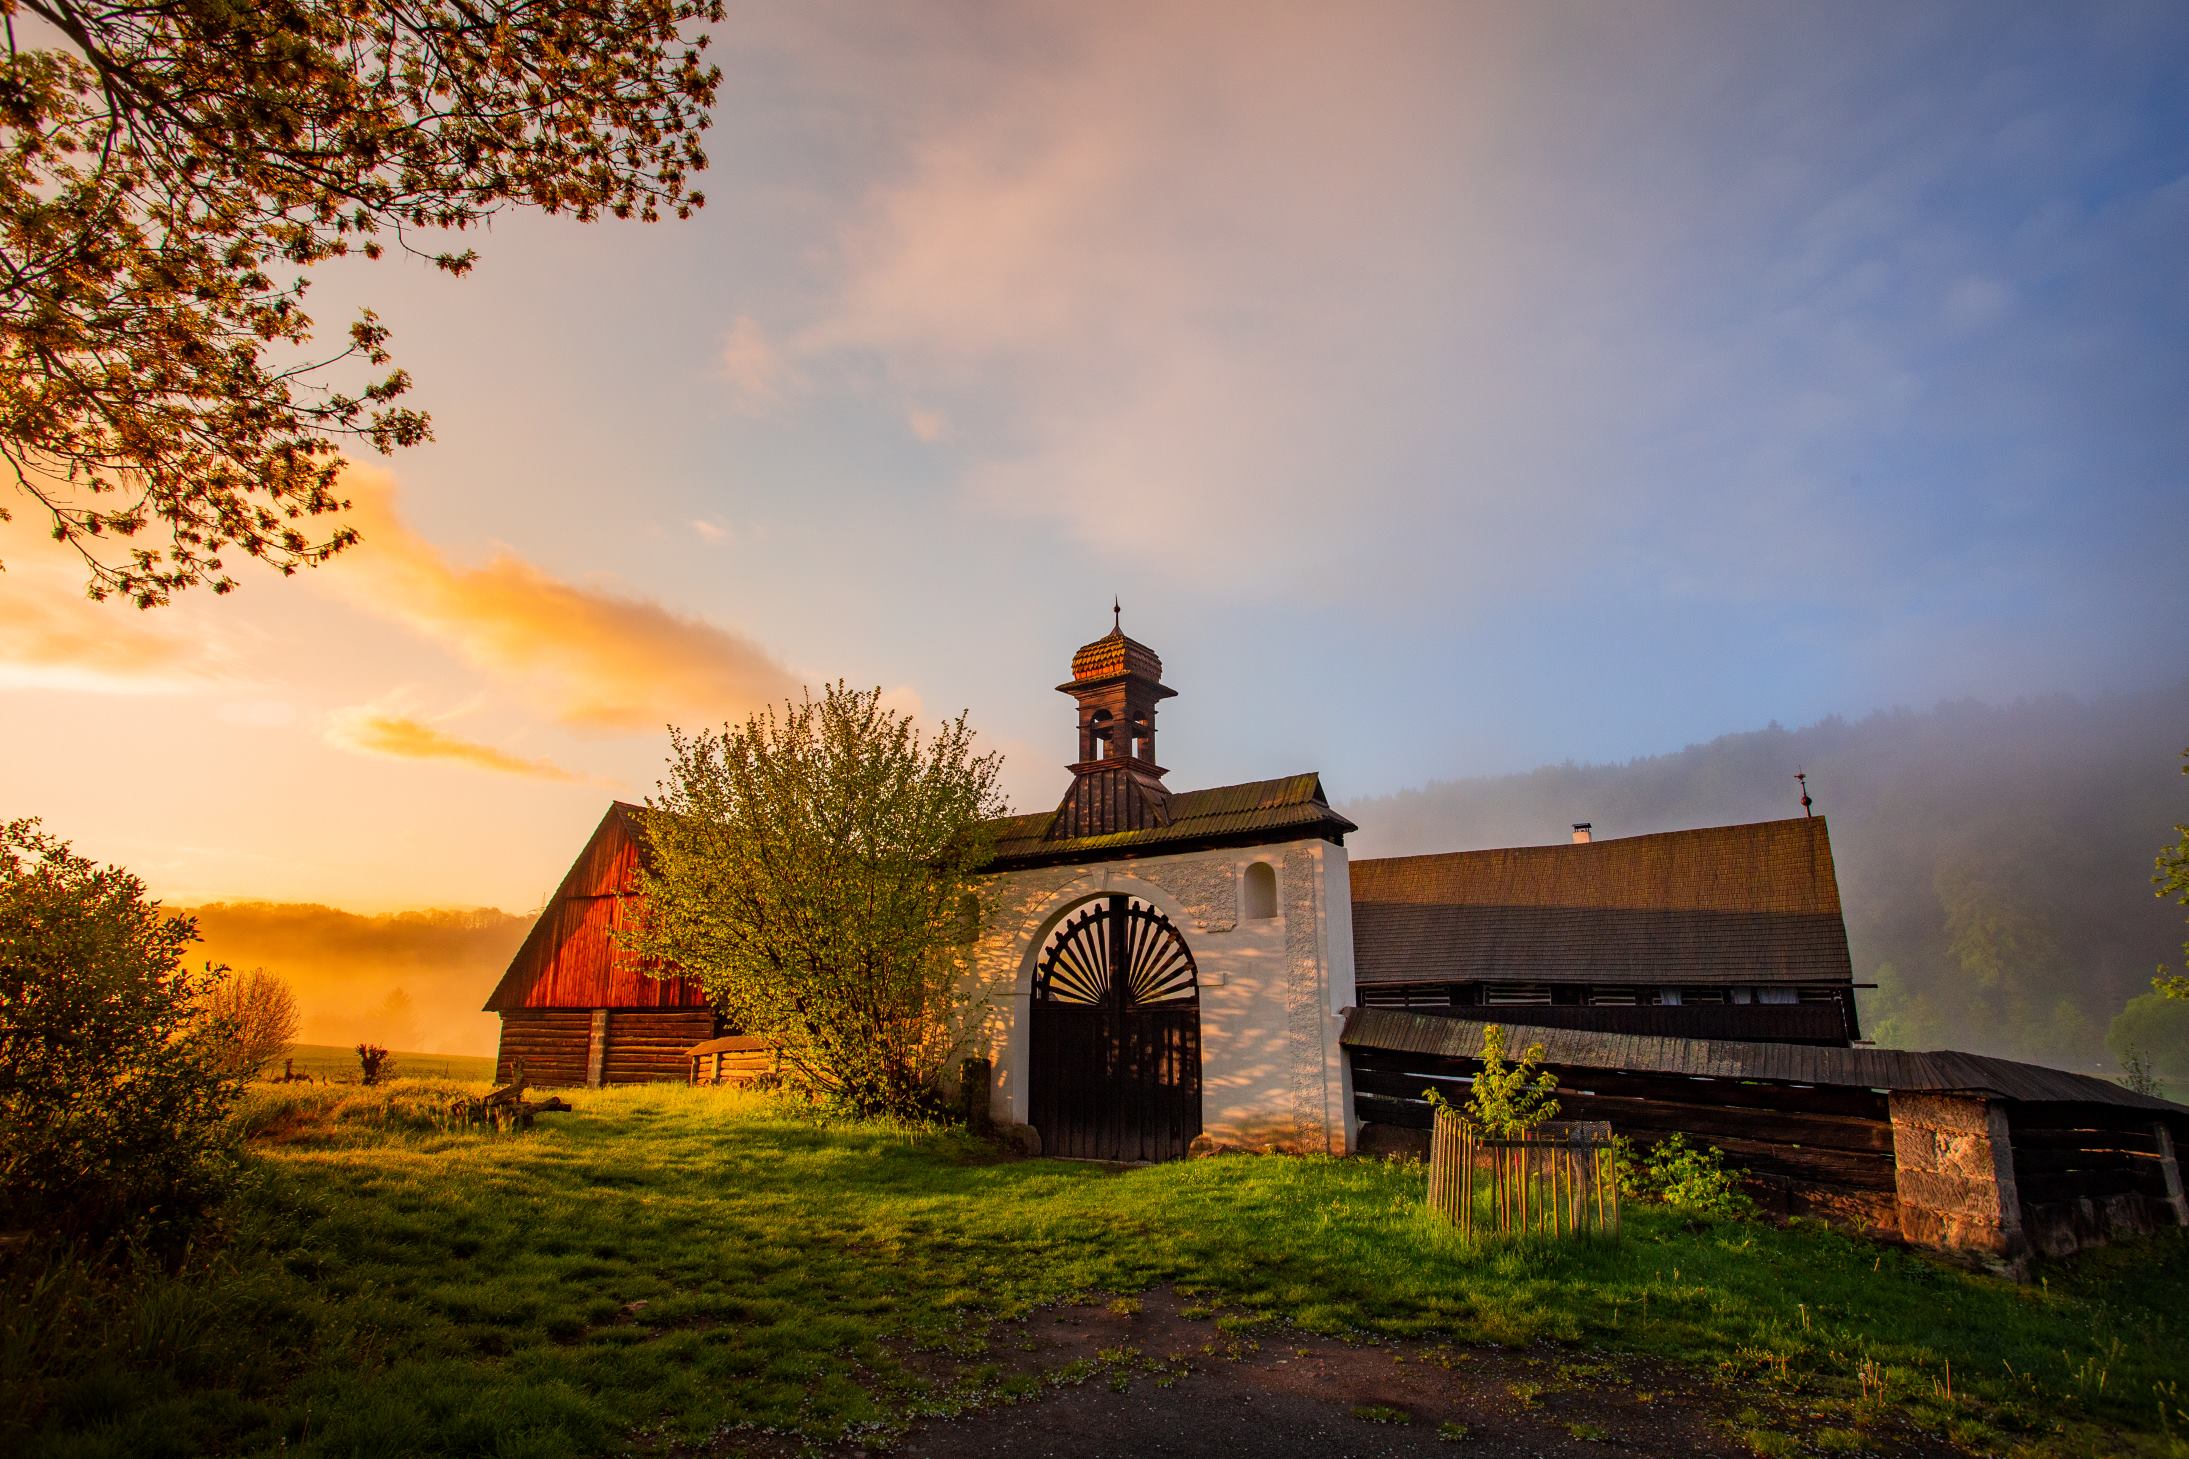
x: 1113, y: 654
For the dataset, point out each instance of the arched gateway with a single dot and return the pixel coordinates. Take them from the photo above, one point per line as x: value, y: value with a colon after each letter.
x: 1116, y: 1035
x: 1109, y: 1033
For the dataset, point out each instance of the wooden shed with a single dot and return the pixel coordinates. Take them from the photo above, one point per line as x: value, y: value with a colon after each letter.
x: 578, y: 1009
x: 733, y: 1060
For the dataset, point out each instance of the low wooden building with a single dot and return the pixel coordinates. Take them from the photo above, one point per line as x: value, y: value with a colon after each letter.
x: 734, y: 1059
x: 579, y: 1009
x: 1944, y: 1149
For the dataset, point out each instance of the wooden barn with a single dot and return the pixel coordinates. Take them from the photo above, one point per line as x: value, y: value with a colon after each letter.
x: 578, y: 1009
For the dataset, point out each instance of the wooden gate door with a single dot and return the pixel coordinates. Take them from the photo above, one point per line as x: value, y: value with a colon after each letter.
x: 1116, y: 1034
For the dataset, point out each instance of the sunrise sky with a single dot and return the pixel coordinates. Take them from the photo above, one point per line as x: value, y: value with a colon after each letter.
x: 1444, y: 390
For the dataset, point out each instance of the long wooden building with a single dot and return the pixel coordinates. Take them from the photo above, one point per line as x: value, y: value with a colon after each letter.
x: 578, y: 1009
x: 1720, y: 932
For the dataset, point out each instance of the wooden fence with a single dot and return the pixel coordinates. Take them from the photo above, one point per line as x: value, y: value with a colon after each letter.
x: 1558, y: 1179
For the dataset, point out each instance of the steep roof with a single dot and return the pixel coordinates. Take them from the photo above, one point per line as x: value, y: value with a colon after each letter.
x: 1258, y: 811
x: 570, y: 958
x: 1938, y: 1071
x: 1724, y: 904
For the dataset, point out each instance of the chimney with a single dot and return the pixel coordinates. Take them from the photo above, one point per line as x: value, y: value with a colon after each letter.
x: 1581, y: 833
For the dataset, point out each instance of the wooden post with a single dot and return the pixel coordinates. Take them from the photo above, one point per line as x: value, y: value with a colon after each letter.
x: 2170, y: 1172
x: 596, y: 1049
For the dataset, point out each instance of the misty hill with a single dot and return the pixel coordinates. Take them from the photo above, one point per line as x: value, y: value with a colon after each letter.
x: 410, y: 980
x: 1994, y: 862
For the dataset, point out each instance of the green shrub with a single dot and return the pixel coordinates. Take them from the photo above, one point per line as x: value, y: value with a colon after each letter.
x: 1505, y: 1100
x: 1684, y: 1178
x: 115, y: 1084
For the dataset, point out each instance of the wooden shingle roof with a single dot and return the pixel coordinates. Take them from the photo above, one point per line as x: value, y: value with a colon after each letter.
x: 1937, y: 1071
x: 1724, y: 904
x: 1259, y: 811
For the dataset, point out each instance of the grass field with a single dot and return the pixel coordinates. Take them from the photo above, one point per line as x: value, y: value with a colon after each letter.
x: 668, y: 1267
x: 335, y: 1061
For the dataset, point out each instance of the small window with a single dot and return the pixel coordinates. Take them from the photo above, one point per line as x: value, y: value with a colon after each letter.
x: 1261, y: 891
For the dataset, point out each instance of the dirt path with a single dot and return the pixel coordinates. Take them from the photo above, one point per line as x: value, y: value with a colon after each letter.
x: 1145, y: 1379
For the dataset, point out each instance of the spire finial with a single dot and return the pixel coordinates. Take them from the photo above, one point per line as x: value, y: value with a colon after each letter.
x: 1803, y: 777
x: 1117, y: 615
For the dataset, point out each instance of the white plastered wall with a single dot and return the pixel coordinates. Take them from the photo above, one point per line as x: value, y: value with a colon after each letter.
x: 1272, y: 1074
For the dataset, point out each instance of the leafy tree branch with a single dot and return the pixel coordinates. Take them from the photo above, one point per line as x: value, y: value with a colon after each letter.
x: 170, y: 173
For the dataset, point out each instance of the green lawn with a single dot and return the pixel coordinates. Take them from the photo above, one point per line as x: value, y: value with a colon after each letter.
x: 336, y: 1061
x: 664, y: 1264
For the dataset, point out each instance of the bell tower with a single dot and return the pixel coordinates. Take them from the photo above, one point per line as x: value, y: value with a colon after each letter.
x: 1116, y: 783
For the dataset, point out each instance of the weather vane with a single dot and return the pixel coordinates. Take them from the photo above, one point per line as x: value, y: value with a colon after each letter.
x: 1803, y: 777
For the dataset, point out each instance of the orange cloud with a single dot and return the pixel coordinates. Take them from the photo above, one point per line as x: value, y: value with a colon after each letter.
x: 53, y: 637
x: 595, y: 659
x: 402, y: 738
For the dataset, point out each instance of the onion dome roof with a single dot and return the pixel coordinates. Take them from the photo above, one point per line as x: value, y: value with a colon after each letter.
x: 1113, y: 654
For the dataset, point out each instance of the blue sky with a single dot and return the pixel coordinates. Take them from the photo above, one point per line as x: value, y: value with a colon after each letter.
x: 1444, y: 390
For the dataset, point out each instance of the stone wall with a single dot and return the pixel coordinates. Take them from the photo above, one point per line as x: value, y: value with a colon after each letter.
x: 1272, y: 1075
x: 1954, y: 1174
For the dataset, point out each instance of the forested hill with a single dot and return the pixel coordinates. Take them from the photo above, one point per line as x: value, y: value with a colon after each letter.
x: 409, y: 980
x: 1994, y: 863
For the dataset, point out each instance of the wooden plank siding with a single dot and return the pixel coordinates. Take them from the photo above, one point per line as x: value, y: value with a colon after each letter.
x: 1826, y: 1152
x: 552, y: 1043
x: 1788, y: 1023
x: 733, y: 1060
x: 570, y: 959
x: 1941, y: 1070
x: 642, y: 1045
x: 647, y: 1046
x: 2087, y: 1176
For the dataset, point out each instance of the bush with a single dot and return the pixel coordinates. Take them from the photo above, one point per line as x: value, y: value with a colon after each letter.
x: 1684, y: 1178
x: 115, y: 1083
x: 1507, y: 1101
x: 260, y: 1012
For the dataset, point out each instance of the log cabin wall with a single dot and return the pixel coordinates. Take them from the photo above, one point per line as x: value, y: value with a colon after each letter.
x: 1817, y: 1151
x: 2086, y: 1177
x: 551, y: 1042
x: 648, y: 1046
x: 640, y: 1046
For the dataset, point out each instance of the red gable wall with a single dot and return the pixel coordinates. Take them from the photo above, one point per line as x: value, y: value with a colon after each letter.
x: 569, y: 959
